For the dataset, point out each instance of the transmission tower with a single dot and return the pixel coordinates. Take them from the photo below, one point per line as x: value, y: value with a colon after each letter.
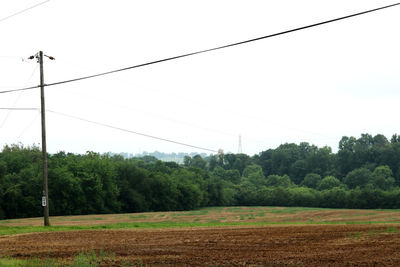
x: 240, y: 151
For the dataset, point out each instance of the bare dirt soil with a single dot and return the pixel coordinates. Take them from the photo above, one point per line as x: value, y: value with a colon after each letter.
x: 295, y: 245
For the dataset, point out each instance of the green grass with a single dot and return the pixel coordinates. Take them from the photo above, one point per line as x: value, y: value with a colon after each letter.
x: 140, y: 216
x: 205, y: 217
x: 83, y: 259
x: 251, y: 217
x: 390, y: 210
x: 294, y: 210
x: 371, y: 233
x: 81, y: 219
x: 200, y: 212
x: 9, y: 221
x: 392, y: 230
x: 195, y: 213
x: 11, y: 230
x: 375, y: 233
x: 358, y: 215
x: 10, y: 262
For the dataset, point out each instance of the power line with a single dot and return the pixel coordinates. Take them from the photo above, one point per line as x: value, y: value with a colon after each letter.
x: 13, y: 57
x: 19, y: 109
x: 206, y: 50
x: 242, y: 114
x: 147, y: 112
x: 20, y: 89
x: 22, y: 11
x: 16, y: 100
x: 130, y: 131
x: 220, y: 47
x: 29, y: 125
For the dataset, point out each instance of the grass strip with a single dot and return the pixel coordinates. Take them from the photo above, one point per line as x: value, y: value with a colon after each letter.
x: 12, y: 230
x: 83, y: 259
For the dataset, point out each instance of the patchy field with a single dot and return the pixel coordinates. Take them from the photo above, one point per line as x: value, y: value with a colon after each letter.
x: 279, y: 237
x: 312, y: 245
x: 225, y: 215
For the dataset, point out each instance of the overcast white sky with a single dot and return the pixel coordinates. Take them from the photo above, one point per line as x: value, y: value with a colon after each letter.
x: 315, y: 85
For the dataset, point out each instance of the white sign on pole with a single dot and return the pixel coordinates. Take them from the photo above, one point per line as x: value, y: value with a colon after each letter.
x: 44, y: 201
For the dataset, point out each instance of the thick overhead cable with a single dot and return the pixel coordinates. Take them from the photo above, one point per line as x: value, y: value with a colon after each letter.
x: 220, y: 47
x: 20, y: 89
x: 129, y: 131
x: 208, y: 50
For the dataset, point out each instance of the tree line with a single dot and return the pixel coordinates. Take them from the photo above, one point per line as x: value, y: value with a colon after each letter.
x: 364, y: 173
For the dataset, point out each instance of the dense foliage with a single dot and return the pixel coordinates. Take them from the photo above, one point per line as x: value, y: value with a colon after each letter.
x: 364, y: 173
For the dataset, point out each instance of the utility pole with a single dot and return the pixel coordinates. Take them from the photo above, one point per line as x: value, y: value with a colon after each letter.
x: 45, y: 197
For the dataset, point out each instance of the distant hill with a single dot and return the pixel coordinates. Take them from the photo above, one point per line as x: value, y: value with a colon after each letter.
x: 175, y: 157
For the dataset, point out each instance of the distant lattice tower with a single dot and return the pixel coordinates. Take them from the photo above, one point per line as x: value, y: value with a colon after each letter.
x: 240, y: 151
x: 221, y: 156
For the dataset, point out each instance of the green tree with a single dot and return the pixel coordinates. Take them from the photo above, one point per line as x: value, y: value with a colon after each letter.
x: 382, y: 177
x: 228, y: 175
x: 265, y: 161
x: 283, y: 157
x: 395, y: 139
x: 198, y: 162
x: 164, y: 193
x: 279, y: 181
x: 187, y: 161
x: 247, y: 194
x: 303, y: 197
x: 345, y: 156
x: 66, y: 196
x: 311, y: 180
x: 358, y: 178
x: 328, y: 182
x: 134, y: 186
x: 298, y: 170
x: 254, y: 174
x: 241, y: 162
x: 336, y: 197
x: 213, y: 162
x: 390, y: 156
x: 13, y: 202
x: 3, y: 169
x: 380, y: 140
x: 190, y: 196
x: 220, y: 192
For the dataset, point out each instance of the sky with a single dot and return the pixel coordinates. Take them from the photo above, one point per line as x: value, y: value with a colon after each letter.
x: 315, y: 85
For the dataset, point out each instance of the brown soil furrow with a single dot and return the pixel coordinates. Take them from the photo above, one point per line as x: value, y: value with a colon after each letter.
x: 314, y: 245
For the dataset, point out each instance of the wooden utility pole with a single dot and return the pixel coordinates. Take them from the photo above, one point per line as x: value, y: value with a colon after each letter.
x: 45, y: 197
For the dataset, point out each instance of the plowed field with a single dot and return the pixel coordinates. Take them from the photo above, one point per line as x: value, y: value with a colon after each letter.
x: 305, y: 245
